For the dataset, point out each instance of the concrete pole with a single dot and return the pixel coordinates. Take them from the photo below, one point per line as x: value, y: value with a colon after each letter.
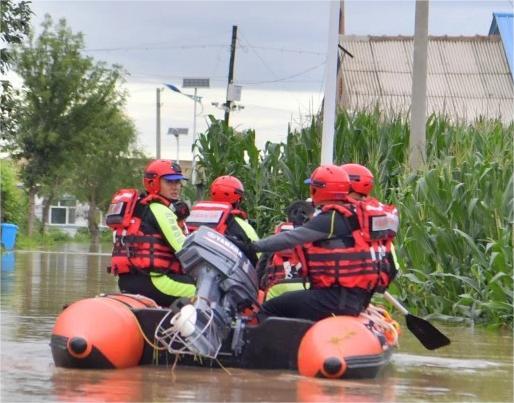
x: 327, y: 137
x: 417, y: 143
x: 178, y: 158
x: 193, y: 161
x: 339, y: 80
x: 158, y: 125
x: 228, y: 103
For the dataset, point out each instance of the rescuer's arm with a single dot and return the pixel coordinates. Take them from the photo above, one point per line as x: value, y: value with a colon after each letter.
x: 324, y: 226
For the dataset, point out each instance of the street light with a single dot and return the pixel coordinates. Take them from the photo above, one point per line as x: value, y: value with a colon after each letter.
x: 177, y: 131
x: 195, y: 83
x: 192, y: 83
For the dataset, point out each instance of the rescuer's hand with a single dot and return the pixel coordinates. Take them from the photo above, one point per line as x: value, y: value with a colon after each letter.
x: 181, y: 209
x: 247, y: 247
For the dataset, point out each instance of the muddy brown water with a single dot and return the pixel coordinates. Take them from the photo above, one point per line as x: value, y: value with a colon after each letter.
x: 35, y: 285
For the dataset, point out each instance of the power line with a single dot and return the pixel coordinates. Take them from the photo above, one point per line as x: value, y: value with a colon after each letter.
x: 159, y: 46
x: 287, y: 77
x: 150, y: 47
x: 286, y: 50
x: 262, y: 61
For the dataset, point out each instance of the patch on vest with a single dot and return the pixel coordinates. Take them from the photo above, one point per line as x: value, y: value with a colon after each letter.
x: 387, y: 222
x: 205, y: 216
x: 115, y: 208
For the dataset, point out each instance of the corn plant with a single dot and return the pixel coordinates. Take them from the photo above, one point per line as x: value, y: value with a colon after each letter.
x: 455, y: 240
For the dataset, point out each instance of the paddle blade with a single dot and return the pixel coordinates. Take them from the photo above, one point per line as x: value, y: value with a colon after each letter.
x: 426, y: 333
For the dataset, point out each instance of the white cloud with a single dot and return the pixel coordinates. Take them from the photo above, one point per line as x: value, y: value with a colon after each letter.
x: 268, y: 112
x: 279, y: 59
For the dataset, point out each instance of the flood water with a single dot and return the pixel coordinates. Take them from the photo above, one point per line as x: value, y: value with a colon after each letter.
x: 477, y: 366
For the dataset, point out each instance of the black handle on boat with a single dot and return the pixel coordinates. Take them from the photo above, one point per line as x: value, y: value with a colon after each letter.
x: 424, y: 331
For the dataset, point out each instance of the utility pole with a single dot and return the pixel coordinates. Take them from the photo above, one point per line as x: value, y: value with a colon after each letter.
x: 417, y: 143
x: 339, y: 79
x: 158, y: 125
x: 329, y: 102
x: 231, y: 71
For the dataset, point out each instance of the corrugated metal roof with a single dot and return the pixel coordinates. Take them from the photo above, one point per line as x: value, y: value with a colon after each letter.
x: 503, y: 25
x: 467, y: 77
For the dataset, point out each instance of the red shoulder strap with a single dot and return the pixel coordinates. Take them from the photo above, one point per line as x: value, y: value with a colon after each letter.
x: 239, y: 213
x: 341, y: 209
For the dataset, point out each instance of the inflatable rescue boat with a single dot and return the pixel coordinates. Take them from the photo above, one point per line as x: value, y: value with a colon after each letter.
x: 125, y: 330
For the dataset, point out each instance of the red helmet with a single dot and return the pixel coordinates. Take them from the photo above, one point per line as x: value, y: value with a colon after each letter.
x: 328, y: 183
x: 361, y: 178
x: 227, y: 189
x: 158, y: 169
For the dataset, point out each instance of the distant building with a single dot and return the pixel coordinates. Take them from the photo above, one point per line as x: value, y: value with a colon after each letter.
x: 65, y: 214
x: 467, y: 77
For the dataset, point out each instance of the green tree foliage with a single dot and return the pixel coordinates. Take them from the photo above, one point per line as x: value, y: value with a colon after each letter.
x: 107, y: 162
x: 66, y: 97
x: 13, y: 200
x: 14, y: 27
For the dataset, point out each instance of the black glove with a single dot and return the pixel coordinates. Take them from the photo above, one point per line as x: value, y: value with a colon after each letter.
x: 181, y: 209
x: 246, y: 246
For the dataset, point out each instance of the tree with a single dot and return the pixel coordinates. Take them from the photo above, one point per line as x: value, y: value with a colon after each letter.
x: 12, y: 199
x: 64, y: 94
x: 108, y: 162
x: 14, y: 27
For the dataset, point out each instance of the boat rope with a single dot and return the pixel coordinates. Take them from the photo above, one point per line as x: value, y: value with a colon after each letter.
x: 223, y: 368
x: 384, y: 322
x: 171, y: 338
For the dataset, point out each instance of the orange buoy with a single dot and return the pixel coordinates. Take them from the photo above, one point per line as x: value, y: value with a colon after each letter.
x: 100, y: 332
x: 326, y: 347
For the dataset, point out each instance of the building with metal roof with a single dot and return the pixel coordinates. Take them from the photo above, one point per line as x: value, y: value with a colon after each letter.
x: 503, y: 26
x: 467, y: 77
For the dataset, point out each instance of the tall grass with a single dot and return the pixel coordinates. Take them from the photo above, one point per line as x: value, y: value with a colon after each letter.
x: 455, y: 243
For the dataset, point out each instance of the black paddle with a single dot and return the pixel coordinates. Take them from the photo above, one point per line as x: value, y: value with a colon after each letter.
x: 425, y: 332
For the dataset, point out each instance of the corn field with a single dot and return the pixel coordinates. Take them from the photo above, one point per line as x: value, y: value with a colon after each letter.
x: 455, y: 240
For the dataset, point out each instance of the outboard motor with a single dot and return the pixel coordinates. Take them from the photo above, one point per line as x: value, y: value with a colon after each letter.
x: 226, y: 283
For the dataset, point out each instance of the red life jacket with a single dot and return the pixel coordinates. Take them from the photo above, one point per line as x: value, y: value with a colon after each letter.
x: 133, y: 249
x: 367, y: 264
x: 213, y: 214
x: 379, y: 221
x: 285, y: 264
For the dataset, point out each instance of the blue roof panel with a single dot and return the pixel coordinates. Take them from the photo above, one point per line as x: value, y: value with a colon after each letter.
x: 503, y: 25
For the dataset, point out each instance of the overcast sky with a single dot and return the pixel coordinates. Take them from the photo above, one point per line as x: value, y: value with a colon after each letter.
x: 280, y: 57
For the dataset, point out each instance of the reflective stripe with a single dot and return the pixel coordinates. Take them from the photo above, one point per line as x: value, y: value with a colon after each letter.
x: 282, y: 288
x: 167, y: 221
x: 212, y: 204
x: 168, y: 286
x: 247, y: 228
x: 395, y: 258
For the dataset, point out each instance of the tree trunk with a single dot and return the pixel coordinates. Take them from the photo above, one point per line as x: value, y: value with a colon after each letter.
x: 47, y: 202
x: 92, y: 222
x: 32, y: 210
